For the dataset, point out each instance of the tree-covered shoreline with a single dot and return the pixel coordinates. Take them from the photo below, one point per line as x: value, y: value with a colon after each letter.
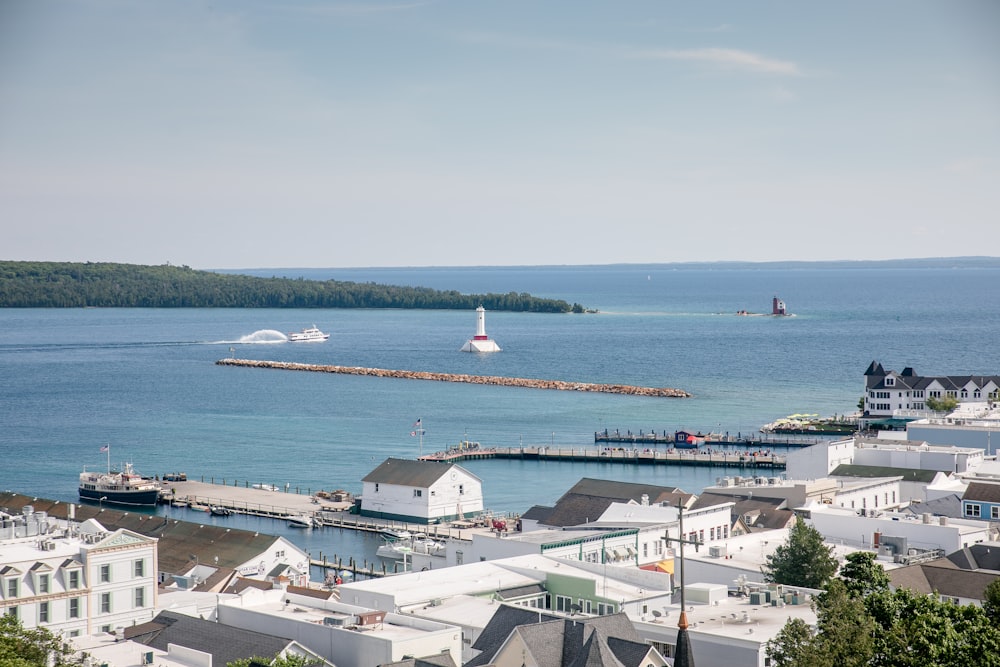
x: 113, y: 285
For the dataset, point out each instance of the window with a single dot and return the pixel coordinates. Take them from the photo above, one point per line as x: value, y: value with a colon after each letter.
x: 461, y: 489
x: 418, y: 493
x: 12, y: 587
x: 139, y: 568
x: 74, y: 607
x: 140, y: 597
x: 105, y: 628
x: 459, y: 557
x: 105, y: 574
x: 973, y: 509
x: 11, y: 611
x: 105, y: 603
x: 43, y: 584
x: 376, y: 487
x: 43, y: 612
x: 645, y: 549
x: 74, y: 579
x: 995, y: 512
x: 563, y: 603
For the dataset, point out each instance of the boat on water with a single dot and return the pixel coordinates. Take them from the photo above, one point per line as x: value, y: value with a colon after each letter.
x: 299, y: 521
x: 119, y: 487
x: 220, y: 511
x: 399, y: 549
x: 307, y: 335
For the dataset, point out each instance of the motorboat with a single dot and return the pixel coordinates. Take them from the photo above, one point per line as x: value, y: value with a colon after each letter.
x: 307, y: 335
x: 220, y: 511
x: 299, y: 521
x: 119, y: 487
x: 400, y: 549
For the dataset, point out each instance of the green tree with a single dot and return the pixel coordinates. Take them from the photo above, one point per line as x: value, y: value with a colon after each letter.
x: 289, y: 660
x: 991, y: 601
x: 941, y: 404
x: 803, y: 560
x: 845, y: 631
x: 35, y: 647
x: 862, y: 575
x: 793, y: 646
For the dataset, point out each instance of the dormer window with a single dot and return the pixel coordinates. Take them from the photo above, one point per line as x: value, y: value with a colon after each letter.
x: 890, y: 381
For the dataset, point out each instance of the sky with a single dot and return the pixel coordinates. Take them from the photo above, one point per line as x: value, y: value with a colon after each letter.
x: 299, y: 133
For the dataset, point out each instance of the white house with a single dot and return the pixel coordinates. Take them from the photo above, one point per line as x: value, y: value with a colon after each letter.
x: 420, y: 492
x: 889, y: 392
x: 74, y: 578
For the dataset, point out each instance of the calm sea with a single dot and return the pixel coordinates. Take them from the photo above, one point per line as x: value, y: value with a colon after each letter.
x: 145, y: 380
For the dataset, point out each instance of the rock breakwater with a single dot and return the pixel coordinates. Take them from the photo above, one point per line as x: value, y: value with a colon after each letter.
x: 660, y: 392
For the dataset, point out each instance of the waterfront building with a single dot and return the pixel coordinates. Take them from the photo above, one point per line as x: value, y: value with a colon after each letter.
x: 420, y: 492
x: 189, y: 555
x: 74, y: 578
x: 888, y: 392
x: 972, y: 424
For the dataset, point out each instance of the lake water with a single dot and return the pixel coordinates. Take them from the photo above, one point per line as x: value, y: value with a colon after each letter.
x: 145, y: 381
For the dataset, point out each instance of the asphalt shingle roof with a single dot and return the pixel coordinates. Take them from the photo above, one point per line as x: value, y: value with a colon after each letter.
x: 223, y: 642
x: 406, y: 472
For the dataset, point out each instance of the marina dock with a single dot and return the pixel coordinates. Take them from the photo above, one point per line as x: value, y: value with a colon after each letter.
x: 747, y: 440
x: 693, y: 457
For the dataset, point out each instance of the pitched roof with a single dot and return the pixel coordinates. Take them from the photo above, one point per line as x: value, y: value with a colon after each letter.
x: 589, y: 498
x: 982, y: 491
x: 406, y: 472
x: 499, y: 627
x: 950, y: 506
x: 943, y: 577
x: 440, y: 660
x: 223, y: 642
x: 757, y: 513
x: 177, y: 540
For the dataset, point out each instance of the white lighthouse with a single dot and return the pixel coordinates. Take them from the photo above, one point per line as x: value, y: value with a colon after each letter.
x: 480, y: 342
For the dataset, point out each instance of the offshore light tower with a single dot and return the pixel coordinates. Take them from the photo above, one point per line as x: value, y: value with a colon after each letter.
x: 480, y: 342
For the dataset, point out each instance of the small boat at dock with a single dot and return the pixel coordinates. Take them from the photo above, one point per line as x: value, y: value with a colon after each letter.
x: 220, y: 511
x: 299, y: 521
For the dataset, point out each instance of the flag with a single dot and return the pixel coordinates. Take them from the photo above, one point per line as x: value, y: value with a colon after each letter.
x: 104, y: 449
x: 417, y: 423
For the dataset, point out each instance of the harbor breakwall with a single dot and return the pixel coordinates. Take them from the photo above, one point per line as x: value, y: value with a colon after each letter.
x: 659, y: 392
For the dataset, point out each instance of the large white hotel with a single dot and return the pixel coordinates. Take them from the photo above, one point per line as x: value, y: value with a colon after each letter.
x: 888, y: 392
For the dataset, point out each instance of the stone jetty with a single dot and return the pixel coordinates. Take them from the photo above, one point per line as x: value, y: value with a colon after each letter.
x: 659, y: 392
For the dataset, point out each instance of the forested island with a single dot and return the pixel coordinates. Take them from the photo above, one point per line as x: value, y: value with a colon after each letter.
x: 111, y: 285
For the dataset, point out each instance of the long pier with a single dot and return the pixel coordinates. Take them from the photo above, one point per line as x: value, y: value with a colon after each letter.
x: 737, y: 459
x: 659, y: 392
x: 748, y: 440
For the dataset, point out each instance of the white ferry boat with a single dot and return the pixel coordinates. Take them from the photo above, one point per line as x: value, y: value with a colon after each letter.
x: 307, y: 335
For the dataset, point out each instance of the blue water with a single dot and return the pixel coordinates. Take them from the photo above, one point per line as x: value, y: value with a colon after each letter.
x: 145, y: 380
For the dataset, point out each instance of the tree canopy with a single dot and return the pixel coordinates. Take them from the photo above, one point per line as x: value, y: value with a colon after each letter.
x: 35, y: 647
x: 862, y: 622
x: 803, y: 560
x: 108, y: 285
x: 941, y: 404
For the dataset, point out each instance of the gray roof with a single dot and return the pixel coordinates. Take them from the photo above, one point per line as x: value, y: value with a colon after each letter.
x: 440, y: 660
x: 590, y: 498
x: 950, y: 506
x: 177, y: 540
x: 406, y: 472
x: 908, y: 474
x: 582, y: 641
x: 982, y: 556
x: 982, y: 491
x: 223, y: 642
x: 757, y: 513
x: 875, y: 379
x: 943, y: 577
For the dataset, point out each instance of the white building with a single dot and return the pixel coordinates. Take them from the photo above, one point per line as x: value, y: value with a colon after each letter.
x: 344, y: 634
x: 846, y: 492
x: 871, y: 529
x: 888, y: 392
x: 974, y: 425
x: 74, y: 578
x: 420, y: 492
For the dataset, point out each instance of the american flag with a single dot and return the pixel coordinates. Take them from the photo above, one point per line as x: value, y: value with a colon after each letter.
x: 417, y: 426
x: 104, y: 449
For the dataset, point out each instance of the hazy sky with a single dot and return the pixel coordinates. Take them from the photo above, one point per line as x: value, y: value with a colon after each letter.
x: 245, y: 133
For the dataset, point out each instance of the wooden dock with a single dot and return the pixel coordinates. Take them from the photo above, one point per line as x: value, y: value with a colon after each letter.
x: 748, y: 441
x: 694, y: 457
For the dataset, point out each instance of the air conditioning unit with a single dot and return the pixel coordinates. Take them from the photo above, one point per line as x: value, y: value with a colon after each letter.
x: 717, y: 551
